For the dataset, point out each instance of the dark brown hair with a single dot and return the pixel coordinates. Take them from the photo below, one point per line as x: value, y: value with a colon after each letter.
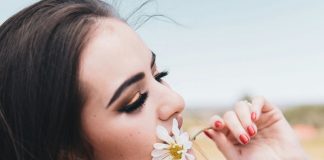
x: 40, y: 95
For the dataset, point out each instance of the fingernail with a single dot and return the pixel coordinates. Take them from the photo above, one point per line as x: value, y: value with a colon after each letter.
x: 218, y: 124
x: 250, y: 130
x: 253, y: 116
x: 244, y: 139
x: 207, y: 134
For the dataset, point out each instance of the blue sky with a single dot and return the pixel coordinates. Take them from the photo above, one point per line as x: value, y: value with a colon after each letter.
x: 225, y: 49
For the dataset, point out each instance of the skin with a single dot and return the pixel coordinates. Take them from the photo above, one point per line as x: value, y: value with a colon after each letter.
x: 105, y: 64
x: 113, y: 54
x: 274, y: 139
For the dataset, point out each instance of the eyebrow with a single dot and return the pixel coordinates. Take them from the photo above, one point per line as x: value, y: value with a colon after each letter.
x: 137, y: 77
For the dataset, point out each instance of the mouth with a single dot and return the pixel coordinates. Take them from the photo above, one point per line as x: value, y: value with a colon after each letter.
x: 175, y: 144
x: 180, y: 120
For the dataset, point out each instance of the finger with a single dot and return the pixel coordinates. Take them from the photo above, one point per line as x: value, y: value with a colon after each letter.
x: 222, y: 143
x: 259, y: 105
x: 230, y: 136
x: 242, y: 109
x: 236, y: 128
x: 221, y: 127
x: 216, y: 122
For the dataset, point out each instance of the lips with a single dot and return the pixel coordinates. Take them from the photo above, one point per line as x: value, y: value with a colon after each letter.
x: 172, y: 146
x: 180, y: 120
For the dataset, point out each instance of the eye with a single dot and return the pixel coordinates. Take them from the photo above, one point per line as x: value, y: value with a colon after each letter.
x: 137, y: 103
x: 158, y: 77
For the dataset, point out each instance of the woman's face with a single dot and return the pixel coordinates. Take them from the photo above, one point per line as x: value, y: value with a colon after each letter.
x: 125, y: 100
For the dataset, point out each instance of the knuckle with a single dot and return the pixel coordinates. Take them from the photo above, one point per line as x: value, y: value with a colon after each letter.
x: 239, y: 105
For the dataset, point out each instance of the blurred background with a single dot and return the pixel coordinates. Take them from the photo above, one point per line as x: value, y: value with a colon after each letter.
x: 219, y: 52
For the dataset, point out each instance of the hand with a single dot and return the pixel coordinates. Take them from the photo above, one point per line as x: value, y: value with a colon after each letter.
x: 255, y: 131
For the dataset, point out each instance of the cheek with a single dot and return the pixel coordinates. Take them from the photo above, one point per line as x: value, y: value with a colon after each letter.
x: 136, y: 140
x: 120, y: 136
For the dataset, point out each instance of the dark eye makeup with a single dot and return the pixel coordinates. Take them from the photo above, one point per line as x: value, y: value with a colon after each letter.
x: 159, y: 76
x: 139, y: 103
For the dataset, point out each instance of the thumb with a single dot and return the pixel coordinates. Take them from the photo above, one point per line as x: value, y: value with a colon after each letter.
x: 222, y: 143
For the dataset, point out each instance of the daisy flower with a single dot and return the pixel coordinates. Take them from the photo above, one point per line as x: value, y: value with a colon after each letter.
x: 175, y: 147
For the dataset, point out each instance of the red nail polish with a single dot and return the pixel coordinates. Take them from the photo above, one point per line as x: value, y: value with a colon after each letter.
x: 207, y: 134
x: 244, y: 139
x: 250, y: 130
x: 218, y: 124
x: 253, y: 116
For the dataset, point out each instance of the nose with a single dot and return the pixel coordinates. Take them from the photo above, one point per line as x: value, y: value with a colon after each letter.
x: 170, y: 104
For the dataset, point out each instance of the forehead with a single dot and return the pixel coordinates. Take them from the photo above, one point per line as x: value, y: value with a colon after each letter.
x: 113, y: 54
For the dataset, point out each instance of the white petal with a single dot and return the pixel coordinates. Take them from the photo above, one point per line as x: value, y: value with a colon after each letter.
x: 184, y: 138
x: 163, y: 134
x: 168, y: 158
x: 165, y: 157
x: 161, y: 157
x: 158, y: 152
x: 175, y: 128
x: 187, y: 145
x: 160, y: 146
x: 157, y: 158
x: 190, y: 157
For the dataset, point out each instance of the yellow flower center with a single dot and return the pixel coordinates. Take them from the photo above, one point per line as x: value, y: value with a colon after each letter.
x: 174, y: 151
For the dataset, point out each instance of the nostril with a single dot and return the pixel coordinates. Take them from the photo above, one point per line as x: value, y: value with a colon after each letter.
x: 169, y: 105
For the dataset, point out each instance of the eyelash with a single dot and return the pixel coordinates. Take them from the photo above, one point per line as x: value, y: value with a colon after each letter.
x: 158, y: 77
x: 143, y: 96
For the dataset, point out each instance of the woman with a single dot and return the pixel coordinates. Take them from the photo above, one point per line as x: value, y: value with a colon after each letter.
x: 76, y: 82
